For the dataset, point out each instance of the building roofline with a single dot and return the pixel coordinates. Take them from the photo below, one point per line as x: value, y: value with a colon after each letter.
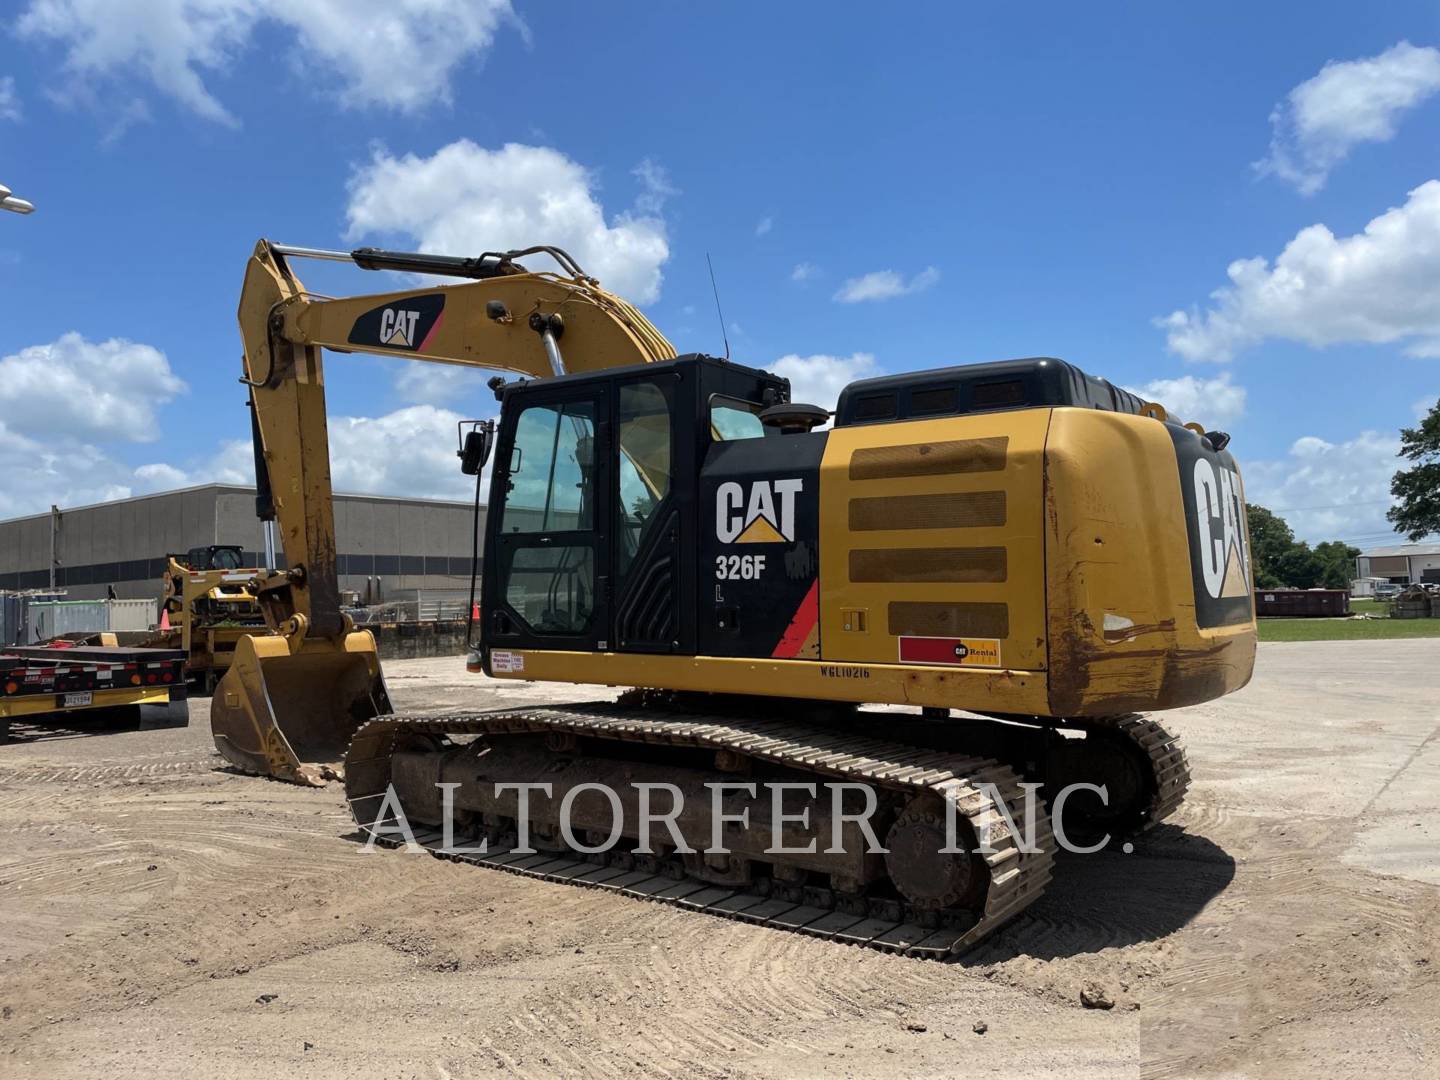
x: 233, y: 489
x: 1400, y: 551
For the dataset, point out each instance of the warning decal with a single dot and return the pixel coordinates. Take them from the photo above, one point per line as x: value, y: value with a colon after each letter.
x: 503, y: 662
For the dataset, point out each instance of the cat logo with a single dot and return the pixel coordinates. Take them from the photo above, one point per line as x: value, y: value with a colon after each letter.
x: 1224, y: 553
x: 765, y: 516
x: 409, y: 327
x: 397, y: 328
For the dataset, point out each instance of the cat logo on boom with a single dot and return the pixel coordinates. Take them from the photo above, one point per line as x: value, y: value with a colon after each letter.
x: 766, y: 515
x: 397, y: 327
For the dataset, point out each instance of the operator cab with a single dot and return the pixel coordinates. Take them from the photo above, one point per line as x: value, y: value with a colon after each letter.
x: 595, y: 511
x: 213, y: 557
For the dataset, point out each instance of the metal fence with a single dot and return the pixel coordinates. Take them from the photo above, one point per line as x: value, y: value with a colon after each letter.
x: 408, y: 611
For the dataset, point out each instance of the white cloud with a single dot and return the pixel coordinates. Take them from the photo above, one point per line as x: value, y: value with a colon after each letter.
x: 818, y: 379
x: 9, y: 100
x: 465, y: 199
x: 885, y: 285
x: 161, y: 477
x: 410, y: 451
x: 1330, y: 491
x: 67, y: 471
x: 655, y: 188
x: 804, y: 271
x: 61, y: 471
x: 86, y: 390
x: 407, y: 452
x: 233, y: 462
x: 439, y: 384
x: 400, y: 54
x: 1376, y: 287
x: 765, y: 225
x: 1212, y: 402
x: 1348, y: 103
x: 122, y: 116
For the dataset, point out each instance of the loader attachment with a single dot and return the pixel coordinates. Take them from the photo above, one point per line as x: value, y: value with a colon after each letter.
x: 287, y: 708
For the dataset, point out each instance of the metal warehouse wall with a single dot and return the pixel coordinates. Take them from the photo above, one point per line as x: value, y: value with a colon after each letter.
x: 406, y: 543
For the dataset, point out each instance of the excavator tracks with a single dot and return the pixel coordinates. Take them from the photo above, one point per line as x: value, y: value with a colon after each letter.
x: 1168, y: 765
x: 1016, y: 877
x: 1155, y: 754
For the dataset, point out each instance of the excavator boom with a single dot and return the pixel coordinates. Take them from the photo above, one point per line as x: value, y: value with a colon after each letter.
x: 292, y: 699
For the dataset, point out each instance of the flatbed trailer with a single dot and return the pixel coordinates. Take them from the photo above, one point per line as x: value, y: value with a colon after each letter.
x: 42, y: 683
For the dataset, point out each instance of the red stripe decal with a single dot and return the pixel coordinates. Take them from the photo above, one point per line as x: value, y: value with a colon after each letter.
x: 438, y: 320
x: 803, y: 621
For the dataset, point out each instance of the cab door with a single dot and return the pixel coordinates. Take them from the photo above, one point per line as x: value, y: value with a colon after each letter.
x: 652, y: 454
x: 546, y: 569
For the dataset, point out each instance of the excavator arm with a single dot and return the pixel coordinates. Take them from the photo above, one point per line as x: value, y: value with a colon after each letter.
x: 290, y: 701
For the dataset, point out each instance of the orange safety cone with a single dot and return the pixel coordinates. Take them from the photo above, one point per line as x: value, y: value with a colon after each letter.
x: 164, y: 618
x: 474, y: 612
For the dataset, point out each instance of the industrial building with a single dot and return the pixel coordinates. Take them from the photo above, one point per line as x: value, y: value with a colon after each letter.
x: 1403, y: 564
x: 388, y: 546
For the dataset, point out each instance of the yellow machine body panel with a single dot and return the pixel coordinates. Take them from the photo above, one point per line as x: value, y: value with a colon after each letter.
x: 1037, y: 562
x: 1126, y: 629
x: 934, y: 529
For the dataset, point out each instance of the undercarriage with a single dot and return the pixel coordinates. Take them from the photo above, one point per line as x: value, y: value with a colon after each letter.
x: 922, y: 842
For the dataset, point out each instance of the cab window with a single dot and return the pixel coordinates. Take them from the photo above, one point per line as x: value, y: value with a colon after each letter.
x: 732, y: 419
x: 551, y: 470
x: 645, y: 439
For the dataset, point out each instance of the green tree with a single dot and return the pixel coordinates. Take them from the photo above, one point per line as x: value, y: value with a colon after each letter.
x: 1300, y: 568
x: 1418, y: 488
x: 1337, y: 564
x: 1280, y: 561
x: 1270, y: 541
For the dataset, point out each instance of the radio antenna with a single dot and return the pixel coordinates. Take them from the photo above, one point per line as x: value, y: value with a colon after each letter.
x: 716, y: 290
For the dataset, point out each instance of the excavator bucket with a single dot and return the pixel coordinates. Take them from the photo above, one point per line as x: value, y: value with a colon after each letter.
x: 289, y: 712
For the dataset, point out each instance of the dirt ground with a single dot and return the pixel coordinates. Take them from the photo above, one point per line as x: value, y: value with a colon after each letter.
x: 163, y: 916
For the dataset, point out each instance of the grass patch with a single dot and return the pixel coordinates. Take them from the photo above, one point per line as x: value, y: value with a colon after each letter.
x: 1346, y: 629
x: 1362, y: 606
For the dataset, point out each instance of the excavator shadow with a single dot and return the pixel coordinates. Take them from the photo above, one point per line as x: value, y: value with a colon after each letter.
x: 1110, y: 899
x: 1098, y: 901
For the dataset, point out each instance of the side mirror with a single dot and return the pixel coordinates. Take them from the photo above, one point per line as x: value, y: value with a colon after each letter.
x: 474, y: 449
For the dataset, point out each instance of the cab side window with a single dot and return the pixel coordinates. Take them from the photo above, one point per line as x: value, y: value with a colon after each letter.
x: 732, y: 419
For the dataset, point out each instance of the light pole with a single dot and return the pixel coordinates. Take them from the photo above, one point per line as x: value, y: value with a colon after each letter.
x: 14, y: 205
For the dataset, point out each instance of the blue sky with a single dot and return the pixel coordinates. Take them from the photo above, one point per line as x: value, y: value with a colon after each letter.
x: 1021, y: 179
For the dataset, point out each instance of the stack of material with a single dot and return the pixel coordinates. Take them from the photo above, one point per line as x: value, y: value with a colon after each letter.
x: 1415, y: 603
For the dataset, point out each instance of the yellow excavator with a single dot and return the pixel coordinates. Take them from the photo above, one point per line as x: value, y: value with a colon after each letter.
x: 966, y: 590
